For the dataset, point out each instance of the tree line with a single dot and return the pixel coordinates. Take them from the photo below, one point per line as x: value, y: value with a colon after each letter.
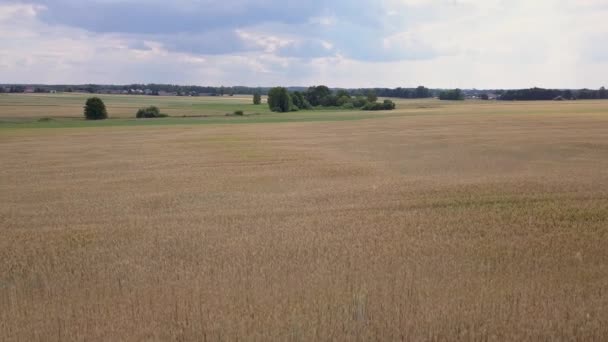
x: 535, y: 94
x: 191, y: 90
x: 406, y: 93
x: 13, y: 89
x: 280, y: 99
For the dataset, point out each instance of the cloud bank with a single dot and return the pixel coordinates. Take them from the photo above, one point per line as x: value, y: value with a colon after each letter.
x: 350, y: 43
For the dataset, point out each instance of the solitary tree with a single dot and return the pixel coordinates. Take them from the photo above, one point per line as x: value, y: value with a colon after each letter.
x: 257, y: 98
x: 95, y: 109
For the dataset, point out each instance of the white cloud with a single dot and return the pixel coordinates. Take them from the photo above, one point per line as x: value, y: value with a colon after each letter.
x: 323, y: 21
x: 268, y: 42
x: 11, y: 11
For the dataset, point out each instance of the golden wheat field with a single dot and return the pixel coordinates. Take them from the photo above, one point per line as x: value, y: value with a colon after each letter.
x: 460, y: 222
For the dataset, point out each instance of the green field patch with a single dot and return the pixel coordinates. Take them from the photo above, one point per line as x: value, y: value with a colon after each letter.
x: 247, y: 119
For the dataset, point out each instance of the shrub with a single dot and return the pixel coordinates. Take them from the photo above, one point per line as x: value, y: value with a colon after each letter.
x: 150, y: 112
x: 239, y: 112
x: 306, y: 104
x: 348, y: 105
x: 342, y: 100
x: 95, y: 109
x: 388, y: 105
x: 373, y: 106
x: 360, y: 101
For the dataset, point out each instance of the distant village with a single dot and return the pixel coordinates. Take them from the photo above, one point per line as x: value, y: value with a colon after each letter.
x: 112, y: 90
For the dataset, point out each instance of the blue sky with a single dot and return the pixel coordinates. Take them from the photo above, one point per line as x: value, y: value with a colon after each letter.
x: 347, y: 43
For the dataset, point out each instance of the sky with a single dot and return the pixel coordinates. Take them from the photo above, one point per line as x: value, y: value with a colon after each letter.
x: 340, y: 43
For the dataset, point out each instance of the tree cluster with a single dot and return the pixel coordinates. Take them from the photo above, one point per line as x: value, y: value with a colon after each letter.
x: 16, y: 89
x: 402, y: 93
x: 452, y: 94
x: 282, y: 100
